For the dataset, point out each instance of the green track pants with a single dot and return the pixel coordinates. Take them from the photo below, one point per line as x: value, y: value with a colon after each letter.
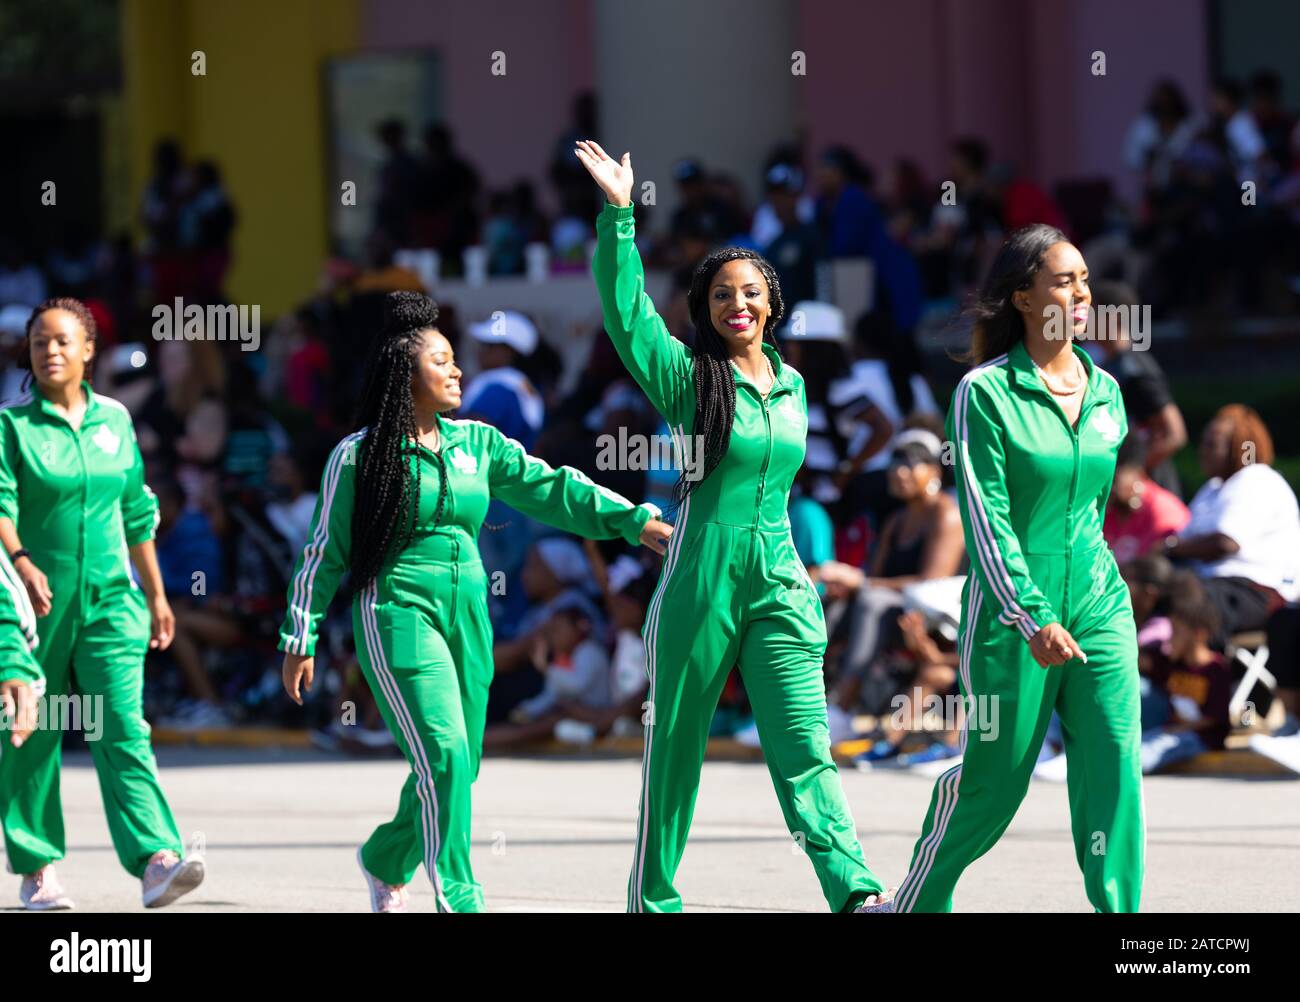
x: 733, y: 595
x: 1010, y: 700
x: 93, y: 643
x: 424, y: 642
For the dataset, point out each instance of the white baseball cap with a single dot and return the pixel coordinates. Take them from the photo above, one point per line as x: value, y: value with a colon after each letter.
x: 509, y: 328
x: 814, y: 321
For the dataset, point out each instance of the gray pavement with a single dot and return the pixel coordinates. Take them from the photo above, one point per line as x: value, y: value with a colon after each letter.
x: 280, y: 829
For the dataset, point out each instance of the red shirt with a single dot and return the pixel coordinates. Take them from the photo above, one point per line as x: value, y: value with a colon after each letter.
x: 1133, y: 533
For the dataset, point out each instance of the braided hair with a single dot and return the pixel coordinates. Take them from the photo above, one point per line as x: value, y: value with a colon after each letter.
x: 715, y: 381
x: 388, y: 488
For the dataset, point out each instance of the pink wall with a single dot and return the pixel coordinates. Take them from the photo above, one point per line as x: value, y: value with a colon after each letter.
x: 905, y: 79
x: 505, y: 125
x: 891, y: 79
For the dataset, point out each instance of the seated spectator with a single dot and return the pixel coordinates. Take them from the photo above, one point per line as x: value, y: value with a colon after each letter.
x: 1151, y: 409
x: 933, y: 681
x: 190, y: 558
x: 1283, y: 744
x: 503, y: 396
x: 554, y: 570
x: 1140, y: 514
x: 1243, y: 538
x: 576, y: 671
x: 1233, y: 129
x: 921, y: 541
x: 795, y: 247
x: 838, y: 412
x: 503, y: 235
x: 382, y: 274
x: 1186, y: 686
x: 1148, y: 578
x: 886, y: 376
x: 1158, y: 136
x: 701, y: 207
x: 1191, y: 684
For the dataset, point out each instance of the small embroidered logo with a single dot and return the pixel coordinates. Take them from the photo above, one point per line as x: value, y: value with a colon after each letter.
x: 790, y: 411
x: 1105, y: 426
x: 106, y: 440
x: 463, y: 461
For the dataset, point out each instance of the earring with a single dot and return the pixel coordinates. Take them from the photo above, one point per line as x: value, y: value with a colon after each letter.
x: 932, y: 487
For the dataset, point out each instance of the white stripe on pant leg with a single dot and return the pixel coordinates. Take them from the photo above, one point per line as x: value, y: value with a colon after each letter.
x: 652, y: 621
x: 390, y: 691
x: 420, y: 761
x: 950, y: 781
x: 428, y: 801
x: 652, y: 645
x: 652, y: 659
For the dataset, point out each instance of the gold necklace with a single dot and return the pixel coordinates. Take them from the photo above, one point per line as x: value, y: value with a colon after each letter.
x: 1063, y: 393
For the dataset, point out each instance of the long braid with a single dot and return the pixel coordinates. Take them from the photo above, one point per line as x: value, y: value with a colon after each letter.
x: 711, y: 369
x: 387, y: 505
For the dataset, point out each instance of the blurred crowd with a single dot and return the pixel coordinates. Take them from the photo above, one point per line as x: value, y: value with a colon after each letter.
x: 234, y: 441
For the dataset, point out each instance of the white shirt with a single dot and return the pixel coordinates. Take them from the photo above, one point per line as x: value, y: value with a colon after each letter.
x: 870, y: 379
x: 1256, y: 509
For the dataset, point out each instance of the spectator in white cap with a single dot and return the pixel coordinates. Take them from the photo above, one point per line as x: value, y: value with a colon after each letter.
x: 816, y: 342
x: 501, y: 395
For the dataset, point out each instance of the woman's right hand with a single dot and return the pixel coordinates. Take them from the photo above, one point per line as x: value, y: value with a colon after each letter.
x: 614, y: 178
x: 1053, y: 645
x: 37, y: 584
x: 297, y: 669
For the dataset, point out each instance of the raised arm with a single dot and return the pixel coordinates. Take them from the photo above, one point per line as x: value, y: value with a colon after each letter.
x: 326, y: 555
x: 564, y: 498
x: 658, y: 361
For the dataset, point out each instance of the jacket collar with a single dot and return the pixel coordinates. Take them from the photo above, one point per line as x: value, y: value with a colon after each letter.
x: 1099, y: 385
x: 784, y: 379
x: 46, y: 407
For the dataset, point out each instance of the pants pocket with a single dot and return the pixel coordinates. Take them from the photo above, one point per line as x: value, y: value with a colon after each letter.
x: 404, y: 634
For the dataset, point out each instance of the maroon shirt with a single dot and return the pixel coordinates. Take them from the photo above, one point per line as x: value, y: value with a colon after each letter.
x: 1208, y: 686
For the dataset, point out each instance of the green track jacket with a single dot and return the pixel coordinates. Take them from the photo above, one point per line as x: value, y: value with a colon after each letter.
x: 482, y: 464
x: 751, y: 485
x: 78, y: 498
x: 1032, y: 490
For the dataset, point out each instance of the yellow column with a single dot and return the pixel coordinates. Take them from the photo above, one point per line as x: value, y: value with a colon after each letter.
x: 256, y: 111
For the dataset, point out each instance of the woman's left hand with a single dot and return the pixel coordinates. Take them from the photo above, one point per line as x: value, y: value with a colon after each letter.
x: 162, y: 624
x: 656, y: 535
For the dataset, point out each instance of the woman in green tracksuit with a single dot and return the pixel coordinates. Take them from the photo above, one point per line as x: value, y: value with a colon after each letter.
x: 75, y: 514
x: 1046, y: 622
x: 401, y: 504
x: 732, y: 590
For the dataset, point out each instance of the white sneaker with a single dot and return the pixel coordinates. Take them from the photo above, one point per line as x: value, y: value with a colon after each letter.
x: 168, y: 877
x: 383, y: 897
x: 42, y: 892
x: 1285, y: 751
x: 877, y: 903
